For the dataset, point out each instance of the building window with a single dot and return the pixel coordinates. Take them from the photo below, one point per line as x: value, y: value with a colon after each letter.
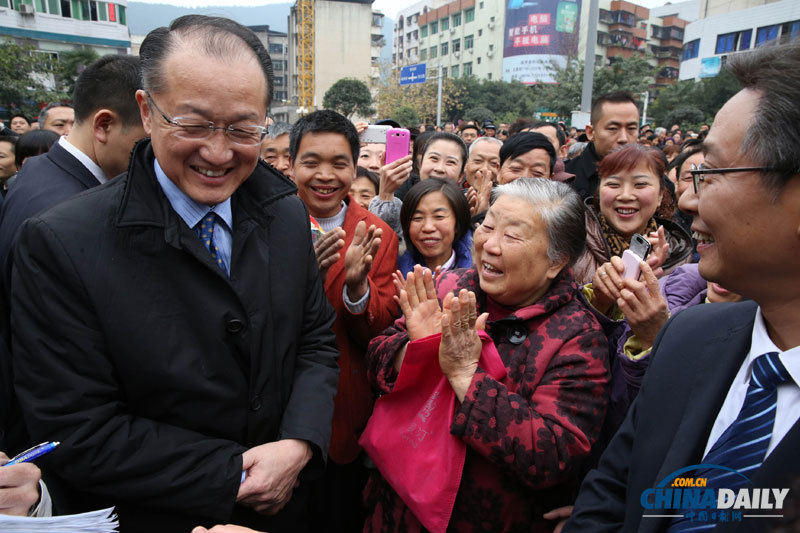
x: 691, y: 50
x: 122, y: 16
x: 434, y: 28
x: 432, y: 52
x: 457, y: 45
x: 444, y: 72
x: 791, y: 28
x: 66, y: 8
x: 467, y: 42
x: 112, y: 13
x: 446, y: 23
x: 454, y: 71
x: 480, y: 5
x: 444, y: 49
x: 480, y: 32
x: 725, y: 43
x: 468, y: 69
x: 479, y: 60
x: 53, y: 7
x: 457, y: 19
x: 424, y: 31
x: 766, y: 34
x: 745, y: 38
x: 423, y: 54
x: 469, y: 15
x: 489, y: 76
x: 275, y: 48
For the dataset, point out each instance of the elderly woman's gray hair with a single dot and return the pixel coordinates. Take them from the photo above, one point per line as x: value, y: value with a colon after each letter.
x: 277, y: 129
x: 562, y: 212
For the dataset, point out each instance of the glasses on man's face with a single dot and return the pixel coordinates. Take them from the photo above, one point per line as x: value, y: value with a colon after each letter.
x: 192, y: 129
x: 699, y: 172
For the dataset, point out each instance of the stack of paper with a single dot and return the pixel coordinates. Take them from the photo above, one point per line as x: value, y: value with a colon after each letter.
x: 102, y: 521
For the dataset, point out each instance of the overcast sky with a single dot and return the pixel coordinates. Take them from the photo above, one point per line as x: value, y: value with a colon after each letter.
x: 387, y: 7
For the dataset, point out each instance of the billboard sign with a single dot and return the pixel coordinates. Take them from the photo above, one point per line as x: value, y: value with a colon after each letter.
x: 413, y: 74
x: 538, y: 34
x: 710, y: 67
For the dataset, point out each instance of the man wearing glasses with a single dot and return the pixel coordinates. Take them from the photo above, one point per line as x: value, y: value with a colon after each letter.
x: 721, y: 395
x: 171, y: 329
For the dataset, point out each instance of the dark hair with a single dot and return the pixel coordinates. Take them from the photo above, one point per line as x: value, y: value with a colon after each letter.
x: 362, y: 172
x: 470, y: 127
x: 519, y: 125
x: 33, y: 143
x: 111, y: 83
x: 214, y: 36
x: 324, y: 121
x: 19, y: 115
x: 419, y: 146
x: 524, y: 142
x: 46, y: 109
x: 456, y: 199
x: 681, y: 158
x: 13, y: 139
x: 617, y: 97
x: 451, y: 137
x: 631, y: 155
x: 562, y: 138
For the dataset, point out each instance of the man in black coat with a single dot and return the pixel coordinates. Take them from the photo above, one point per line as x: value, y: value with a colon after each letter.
x: 170, y: 327
x: 614, y: 123
x: 723, y: 390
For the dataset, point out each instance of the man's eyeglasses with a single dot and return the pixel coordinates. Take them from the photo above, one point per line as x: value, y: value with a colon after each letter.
x: 699, y: 172
x: 195, y: 130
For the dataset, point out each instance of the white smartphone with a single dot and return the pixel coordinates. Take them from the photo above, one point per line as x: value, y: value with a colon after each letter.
x: 375, y: 134
x: 637, y: 251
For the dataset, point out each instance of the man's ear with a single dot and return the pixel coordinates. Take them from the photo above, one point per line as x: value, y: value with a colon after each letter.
x: 144, y: 110
x: 590, y: 132
x: 103, y: 122
x: 562, y: 152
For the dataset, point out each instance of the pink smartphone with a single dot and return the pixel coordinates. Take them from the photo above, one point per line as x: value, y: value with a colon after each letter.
x: 397, y: 143
x: 637, y: 251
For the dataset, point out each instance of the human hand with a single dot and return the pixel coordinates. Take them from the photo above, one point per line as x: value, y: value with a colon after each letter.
x: 272, y: 471
x: 19, y: 487
x: 228, y: 528
x: 607, y: 283
x: 358, y: 259
x: 361, y: 126
x: 562, y: 513
x: 417, y: 299
x: 392, y: 176
x: 326, y: 248
x: 659, y: 251
x: 460, y: 347
x: 644, y: 306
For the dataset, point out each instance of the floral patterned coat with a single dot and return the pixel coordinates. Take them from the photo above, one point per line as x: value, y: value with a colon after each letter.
x: 527, y: 435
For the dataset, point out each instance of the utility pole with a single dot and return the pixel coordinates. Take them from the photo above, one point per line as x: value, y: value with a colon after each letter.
x: 439, y: 100
x: 588, y: 66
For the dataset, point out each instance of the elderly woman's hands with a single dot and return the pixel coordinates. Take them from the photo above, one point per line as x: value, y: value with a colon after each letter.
x: 417, y: 300
x: 607, y: 283
x: 460, y: 348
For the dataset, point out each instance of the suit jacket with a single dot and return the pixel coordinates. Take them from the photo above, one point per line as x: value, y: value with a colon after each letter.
x: 353, y: 333
x: 42, y: 182
x: 156, y: 370
x: 695, y: 360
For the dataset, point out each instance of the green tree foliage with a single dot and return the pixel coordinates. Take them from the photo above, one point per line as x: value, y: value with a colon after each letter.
x: 685, y: 116
x: 478, y: 114
x: 27, y: 79
x: 406, y: 115
x: 707, y: 96
x: 349, y: 96
x: 70, y: 65
x: 504, y: 100
x: 632, y: 75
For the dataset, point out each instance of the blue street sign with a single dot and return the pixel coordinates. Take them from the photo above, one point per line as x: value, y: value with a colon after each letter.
x: 413, y: 74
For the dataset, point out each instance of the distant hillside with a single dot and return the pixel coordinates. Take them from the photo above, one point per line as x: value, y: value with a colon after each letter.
x: 143, y: 17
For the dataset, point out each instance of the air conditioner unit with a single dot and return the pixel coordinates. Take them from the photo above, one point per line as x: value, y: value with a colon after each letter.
x: 452, y: 30
x: 491, y: 25
x: 457, y: 54
x: 471, y: 50
x: 26, y: 9
x: 489, y: 53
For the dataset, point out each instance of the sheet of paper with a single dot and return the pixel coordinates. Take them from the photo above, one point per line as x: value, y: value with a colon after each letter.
x: 102, y: 521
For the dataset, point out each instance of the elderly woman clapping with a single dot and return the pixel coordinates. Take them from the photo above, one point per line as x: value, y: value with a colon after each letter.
x: 527, y: 433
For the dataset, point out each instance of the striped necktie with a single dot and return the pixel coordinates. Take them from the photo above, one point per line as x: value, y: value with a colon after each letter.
x: 743, y: 446
x: 207, y: 236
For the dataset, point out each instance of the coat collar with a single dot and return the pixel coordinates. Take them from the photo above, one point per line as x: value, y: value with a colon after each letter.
x: 144, y: 203
x: 71, y: 165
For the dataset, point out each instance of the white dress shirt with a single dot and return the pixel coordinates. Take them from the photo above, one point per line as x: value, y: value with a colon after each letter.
x: 788, y: 409
x: 93, y: 167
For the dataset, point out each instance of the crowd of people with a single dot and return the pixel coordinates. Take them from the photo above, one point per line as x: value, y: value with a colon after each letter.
x: 218, y: 316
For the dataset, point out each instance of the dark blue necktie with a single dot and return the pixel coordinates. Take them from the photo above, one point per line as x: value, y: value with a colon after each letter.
x: 207, y: 236
x: 743, y: 446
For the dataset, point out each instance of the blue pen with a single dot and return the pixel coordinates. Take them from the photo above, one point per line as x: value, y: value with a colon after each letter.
x: 33, y: 453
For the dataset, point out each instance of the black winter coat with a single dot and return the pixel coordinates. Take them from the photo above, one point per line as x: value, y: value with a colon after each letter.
x: 153, y: 368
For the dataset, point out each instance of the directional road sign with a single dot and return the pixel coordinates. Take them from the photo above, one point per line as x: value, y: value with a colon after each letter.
x: 413, y: 74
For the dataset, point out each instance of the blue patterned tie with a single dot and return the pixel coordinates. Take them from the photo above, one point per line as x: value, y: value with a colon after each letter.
x: 743, y: 446
x: 207, y: 236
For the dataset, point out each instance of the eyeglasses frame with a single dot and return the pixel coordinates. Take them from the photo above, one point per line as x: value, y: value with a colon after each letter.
x: 699, y: 173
